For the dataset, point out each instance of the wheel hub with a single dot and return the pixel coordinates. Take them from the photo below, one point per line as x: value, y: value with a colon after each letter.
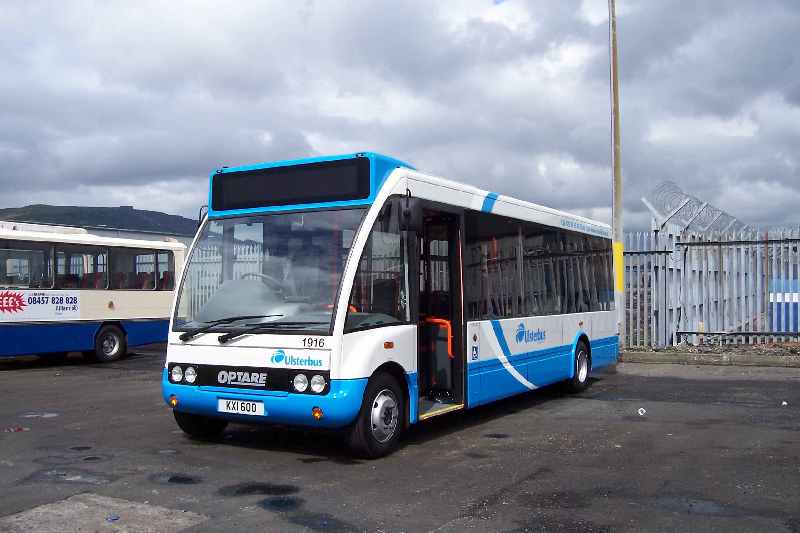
x: 384, y: 415
x: 109, y: 345
x: 583, y: 366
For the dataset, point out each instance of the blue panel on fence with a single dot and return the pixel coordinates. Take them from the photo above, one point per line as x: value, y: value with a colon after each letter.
x: 784, y: 312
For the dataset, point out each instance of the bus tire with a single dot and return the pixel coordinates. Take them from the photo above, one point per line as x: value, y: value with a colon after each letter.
x: 582, y: 365
x: 376, y: 431
x: 110, y: 344
x: 200, y: 427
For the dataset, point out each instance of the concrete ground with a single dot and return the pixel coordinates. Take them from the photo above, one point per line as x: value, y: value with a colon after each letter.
x: 93, y: 448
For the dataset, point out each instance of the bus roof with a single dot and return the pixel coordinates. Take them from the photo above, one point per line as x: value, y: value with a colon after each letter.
x: 86, y: 238
x: 492, y: 202
x: 381, y: 166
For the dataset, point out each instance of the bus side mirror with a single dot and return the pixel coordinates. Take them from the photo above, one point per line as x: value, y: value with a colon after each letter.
x: 411, y: 214
x: 201, y: 215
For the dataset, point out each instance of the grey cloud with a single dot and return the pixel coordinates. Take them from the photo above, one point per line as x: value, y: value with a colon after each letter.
x: 118, y: 96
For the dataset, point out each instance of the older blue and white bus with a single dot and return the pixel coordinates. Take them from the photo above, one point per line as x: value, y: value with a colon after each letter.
x: 355, y: 292
x: 64, y: 290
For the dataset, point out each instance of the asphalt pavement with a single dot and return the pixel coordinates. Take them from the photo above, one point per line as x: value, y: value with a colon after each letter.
x: 650, y: 448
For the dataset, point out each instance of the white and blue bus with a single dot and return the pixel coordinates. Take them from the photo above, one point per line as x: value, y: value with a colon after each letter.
x: 64, y: 290
x: 354, y: 292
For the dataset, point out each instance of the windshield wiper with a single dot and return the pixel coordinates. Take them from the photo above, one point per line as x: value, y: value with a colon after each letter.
x: 186, y: 335
x: 262, y: 326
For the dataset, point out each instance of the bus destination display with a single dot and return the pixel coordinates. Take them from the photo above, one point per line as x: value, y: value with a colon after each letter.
x: 329, y: 181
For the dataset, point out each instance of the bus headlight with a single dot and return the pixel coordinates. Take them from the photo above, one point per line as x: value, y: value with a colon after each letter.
x: 190, y: 374
x: 317, y: 383
x: 176, y: 374
x: 300, y: 383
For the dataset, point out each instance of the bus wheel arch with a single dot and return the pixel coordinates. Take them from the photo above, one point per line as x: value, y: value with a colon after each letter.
x: 581, y: 362
x: 110, y: 343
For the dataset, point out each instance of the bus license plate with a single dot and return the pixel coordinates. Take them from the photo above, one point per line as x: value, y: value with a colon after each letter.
x: 240, y: 407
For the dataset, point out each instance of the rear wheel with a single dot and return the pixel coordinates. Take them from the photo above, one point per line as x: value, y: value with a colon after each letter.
x: 580, y: 377
x: 377, y: 429
x: 200, y: 427
x: 110, y: 344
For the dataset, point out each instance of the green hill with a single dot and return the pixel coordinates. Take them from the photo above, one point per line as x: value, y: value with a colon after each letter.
x: 123, y: 217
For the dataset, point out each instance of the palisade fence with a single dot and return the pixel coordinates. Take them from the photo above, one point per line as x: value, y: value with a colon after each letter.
x: 721, y: 288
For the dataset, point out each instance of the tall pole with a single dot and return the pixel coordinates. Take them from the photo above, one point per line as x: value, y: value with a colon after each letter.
x: 616, y: 206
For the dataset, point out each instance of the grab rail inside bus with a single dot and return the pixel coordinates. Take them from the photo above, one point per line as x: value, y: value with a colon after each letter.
x: 445, y: 324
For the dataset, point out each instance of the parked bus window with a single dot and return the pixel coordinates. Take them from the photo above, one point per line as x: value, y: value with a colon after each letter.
x: 81, y: 267
x: 132, y: 269
x: 166, y: 271
x: 25, y: 265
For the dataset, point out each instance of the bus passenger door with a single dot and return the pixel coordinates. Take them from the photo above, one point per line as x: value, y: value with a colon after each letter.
x: 441, y: 358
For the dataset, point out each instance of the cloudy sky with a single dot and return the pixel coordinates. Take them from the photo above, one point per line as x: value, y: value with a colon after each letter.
x: 112, y: 103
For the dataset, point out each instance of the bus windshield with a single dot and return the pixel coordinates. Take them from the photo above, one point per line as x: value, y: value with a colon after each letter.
x: 281, y: 270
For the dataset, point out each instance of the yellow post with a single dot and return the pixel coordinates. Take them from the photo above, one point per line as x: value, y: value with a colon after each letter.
x: 616, y: 206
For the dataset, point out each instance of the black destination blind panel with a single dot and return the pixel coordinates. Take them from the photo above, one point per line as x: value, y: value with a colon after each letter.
x: 327, y: 181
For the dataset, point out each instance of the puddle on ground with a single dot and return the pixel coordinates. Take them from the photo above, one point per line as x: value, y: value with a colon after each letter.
x: 477, y: 455
x: 259, y: 489
x: 281, y: 503
x: 175, y: 478
x: 497, y: 435
x: 697, y: 506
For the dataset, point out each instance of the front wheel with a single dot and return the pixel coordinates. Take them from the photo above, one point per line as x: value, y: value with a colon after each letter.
x: 377, y: 429
x: 110, y: 344
x: 580, y: 377
x: 200, y: 427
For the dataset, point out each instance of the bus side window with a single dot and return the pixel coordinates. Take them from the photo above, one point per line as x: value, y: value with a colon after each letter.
x: 379, y: 293
x: 133, y: 269
x: 166, y: 271
x: 25, y: 265
x: 81, y: 267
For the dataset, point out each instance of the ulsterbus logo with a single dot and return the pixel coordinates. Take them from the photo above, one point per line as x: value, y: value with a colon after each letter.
x: 280, y: 357
x: 11, y: 302
x: 529, y: 335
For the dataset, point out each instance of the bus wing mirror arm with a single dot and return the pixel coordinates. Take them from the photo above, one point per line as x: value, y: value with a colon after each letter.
x: 201, y: 215
x: 412, y: 213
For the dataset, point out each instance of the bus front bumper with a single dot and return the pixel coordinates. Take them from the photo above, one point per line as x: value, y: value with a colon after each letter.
x: 339, y: 406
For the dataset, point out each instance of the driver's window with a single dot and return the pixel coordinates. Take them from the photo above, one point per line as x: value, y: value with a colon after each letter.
x: 380, y: 290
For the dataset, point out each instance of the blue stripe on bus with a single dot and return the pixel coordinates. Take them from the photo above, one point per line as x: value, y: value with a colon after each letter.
x: 380, y: 168
x: 33, y: 338
x: 489, y: 380
x: 412, y: 382
x: 488, y: 202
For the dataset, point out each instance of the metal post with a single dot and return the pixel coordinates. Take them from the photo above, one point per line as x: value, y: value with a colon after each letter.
x: 616, y: 208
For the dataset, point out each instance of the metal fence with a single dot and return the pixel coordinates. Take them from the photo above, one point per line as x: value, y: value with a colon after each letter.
x: 732, y: 288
